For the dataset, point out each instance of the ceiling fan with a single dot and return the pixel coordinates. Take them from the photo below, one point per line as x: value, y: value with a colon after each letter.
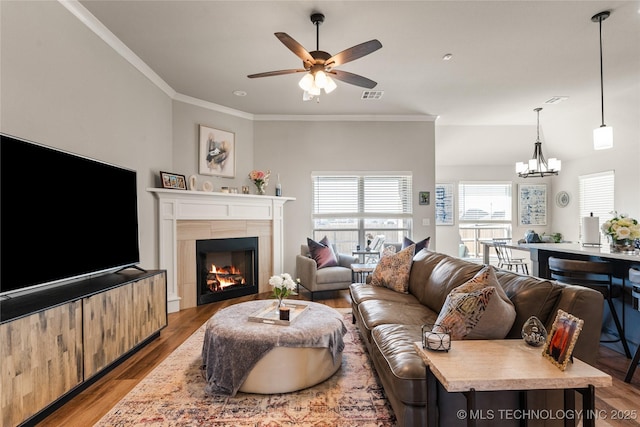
x: 319, y: 65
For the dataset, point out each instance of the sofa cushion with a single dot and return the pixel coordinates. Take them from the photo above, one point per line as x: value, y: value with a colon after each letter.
x: 360, y: 292
x: 448, y: 274
x: 422, y: 244
x: 393, y: 271
x: 322, y: 253
x: 381, y: 312
x: 478, y: 309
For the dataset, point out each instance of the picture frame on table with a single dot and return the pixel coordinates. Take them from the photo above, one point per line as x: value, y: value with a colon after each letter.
x: 173, y: 180
x: 217, y: 156
x: 562, y: 338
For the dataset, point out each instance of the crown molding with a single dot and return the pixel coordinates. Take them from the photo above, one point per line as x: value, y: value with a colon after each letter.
x: 212, y: 106
x: 347, y: 118
x: 87, y: 18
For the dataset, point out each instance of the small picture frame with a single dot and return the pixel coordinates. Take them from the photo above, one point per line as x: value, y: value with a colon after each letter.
x: 562, y: 338
x: 173, y: 181
x: 424, y: 197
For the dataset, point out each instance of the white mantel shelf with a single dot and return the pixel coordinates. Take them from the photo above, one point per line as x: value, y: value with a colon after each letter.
x: 176, y: 205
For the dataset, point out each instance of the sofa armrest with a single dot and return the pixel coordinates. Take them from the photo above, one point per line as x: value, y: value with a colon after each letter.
x: 306, y: 271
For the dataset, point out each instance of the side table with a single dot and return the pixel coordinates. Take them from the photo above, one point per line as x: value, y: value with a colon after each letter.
x: 492, y: 365
x: 367, y: 256
x: 361, y: 271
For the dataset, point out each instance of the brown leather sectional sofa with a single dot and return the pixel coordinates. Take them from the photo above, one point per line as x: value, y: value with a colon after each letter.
x: 390, y: 322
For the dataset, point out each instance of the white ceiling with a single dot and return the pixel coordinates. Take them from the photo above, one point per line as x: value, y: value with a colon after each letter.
x: 508, y: 58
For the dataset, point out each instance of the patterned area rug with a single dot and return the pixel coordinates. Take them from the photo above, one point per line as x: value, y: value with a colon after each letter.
x: 173, y: 395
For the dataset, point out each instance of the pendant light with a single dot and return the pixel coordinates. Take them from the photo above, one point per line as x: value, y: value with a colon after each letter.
x: 537, y: 165
x: 603, y: 135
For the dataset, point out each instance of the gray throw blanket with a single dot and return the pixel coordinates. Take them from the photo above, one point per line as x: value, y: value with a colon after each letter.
x: 233, y: 345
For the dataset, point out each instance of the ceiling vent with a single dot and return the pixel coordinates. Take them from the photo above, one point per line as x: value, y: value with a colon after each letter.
x: 556, y: 100
x: 372, y: 94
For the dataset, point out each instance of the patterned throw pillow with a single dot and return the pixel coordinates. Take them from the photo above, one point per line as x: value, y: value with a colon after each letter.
x: 393, y: 270
x: 478, y: 309
x: 389, y: 250
x: 322, y: 253
x: 422, y: 244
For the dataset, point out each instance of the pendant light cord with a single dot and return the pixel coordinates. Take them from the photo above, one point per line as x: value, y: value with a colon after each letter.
x: 601, y: 74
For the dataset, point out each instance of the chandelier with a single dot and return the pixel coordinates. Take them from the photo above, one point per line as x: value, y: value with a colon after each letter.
x: 537, y: 165
x: 603, y: 135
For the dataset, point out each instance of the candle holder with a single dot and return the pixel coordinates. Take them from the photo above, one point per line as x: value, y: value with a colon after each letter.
x: 436, y: 337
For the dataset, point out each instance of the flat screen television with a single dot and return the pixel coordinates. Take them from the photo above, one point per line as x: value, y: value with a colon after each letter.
x: 63, y: 216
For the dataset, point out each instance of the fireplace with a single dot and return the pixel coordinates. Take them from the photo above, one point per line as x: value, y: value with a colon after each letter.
x: 226, y: 268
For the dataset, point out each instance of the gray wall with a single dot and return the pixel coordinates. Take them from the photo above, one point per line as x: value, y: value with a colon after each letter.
x: 64, y: 87
x: 296, y: 148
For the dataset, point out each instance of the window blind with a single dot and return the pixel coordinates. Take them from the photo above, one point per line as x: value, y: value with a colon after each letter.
x: 597, y: 195
x: 362, y: 195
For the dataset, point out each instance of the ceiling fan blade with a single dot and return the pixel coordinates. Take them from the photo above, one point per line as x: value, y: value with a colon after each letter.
x: 353, y: 53
x: 296, y: 48
x: 277, y: 73
x: 353, y: 79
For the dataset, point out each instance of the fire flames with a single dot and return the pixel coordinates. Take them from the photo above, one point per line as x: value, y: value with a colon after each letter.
x: 219, y: 278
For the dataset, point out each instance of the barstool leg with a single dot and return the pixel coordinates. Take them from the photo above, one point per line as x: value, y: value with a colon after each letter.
x: 632, y: 366
x: 623, y: 339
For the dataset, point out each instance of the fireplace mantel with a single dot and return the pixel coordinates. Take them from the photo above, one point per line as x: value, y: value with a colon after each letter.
x: 176, y: 205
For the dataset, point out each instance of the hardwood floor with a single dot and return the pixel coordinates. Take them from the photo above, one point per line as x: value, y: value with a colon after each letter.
x: 91, y: 404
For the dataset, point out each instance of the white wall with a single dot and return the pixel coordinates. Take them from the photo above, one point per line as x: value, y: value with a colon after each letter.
x: 64, y: 87
x: 296, y: 148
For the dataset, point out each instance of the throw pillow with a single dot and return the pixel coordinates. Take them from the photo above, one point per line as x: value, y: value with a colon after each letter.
x: 322, y: 253
x: 389, y: 250
x: 393, y: 270
x: 422, y: 244
x: 478, y: 309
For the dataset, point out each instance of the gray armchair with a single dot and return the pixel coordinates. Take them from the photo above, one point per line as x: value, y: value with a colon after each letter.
x: 324, y: 279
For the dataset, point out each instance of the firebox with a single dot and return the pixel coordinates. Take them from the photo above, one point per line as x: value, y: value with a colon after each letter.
x: 227, y: 268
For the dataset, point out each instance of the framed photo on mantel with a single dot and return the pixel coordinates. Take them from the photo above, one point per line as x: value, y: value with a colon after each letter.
x: 217, y: 152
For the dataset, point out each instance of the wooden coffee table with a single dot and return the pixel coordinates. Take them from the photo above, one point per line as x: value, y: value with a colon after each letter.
x: 490, y: 365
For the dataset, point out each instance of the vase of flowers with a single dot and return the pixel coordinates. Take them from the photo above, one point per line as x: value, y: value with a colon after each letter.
x: 621, y: 230
x: 283, y: 285
x: 260, y: 179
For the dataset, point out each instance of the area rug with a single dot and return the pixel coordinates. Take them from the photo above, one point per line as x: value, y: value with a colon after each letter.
x: 173, y: 395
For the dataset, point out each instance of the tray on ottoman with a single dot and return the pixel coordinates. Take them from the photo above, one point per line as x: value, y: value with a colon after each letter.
x: 270, y: 314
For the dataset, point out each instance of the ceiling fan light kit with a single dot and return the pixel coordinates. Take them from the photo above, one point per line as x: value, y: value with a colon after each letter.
x: 603, y: 135
x: 537, y: 166
x: 319, y: 66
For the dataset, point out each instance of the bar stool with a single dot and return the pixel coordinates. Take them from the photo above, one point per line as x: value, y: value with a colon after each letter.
x: 634, y: 278
x: 591, y: 274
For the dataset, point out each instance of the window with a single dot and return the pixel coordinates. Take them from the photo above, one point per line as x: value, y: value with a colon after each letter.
x: 347, y: 207
x: 484, y: 212
x: 596, y: 195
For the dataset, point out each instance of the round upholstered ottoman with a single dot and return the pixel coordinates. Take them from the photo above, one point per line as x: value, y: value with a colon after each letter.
x: 252, y: 357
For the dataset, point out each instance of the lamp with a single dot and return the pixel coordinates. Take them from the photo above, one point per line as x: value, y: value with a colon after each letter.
x: 314, y: 81
x: 603, y: 135
x: 537, y: 165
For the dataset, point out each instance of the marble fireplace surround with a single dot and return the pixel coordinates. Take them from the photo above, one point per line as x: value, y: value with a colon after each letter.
x: 184, y: 216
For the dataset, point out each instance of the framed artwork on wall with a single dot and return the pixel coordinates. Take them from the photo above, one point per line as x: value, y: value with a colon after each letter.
x: 444, y: 204
x: 173, y: 180
x: 424, y: 197
x: 217, y: 152
x: 532, y: 204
